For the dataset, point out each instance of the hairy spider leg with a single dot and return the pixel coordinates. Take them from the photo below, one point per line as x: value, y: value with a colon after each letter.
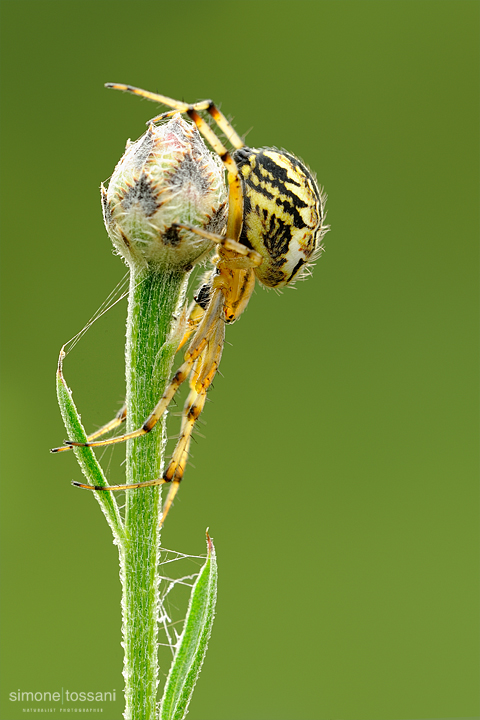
x: 183, y: 107
x: 119, y: 418
x: 178, y: 462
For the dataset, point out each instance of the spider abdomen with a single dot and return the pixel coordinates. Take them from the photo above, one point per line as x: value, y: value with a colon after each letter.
x: 283, y: 212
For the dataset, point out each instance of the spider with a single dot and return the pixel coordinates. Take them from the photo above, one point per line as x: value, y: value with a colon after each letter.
x: 275, y: 227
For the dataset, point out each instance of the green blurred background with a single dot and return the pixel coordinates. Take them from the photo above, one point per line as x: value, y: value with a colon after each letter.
x: 339, y: 472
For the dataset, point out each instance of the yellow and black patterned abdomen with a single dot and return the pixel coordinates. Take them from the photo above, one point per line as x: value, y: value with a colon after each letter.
x: 282, y: 215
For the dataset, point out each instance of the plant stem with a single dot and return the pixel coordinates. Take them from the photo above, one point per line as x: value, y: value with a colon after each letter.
x: 155, y: 300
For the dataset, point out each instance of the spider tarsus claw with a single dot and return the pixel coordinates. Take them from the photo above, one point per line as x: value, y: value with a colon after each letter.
x: 113, y: 86
x: 60, y: 449
x: 87, y: 487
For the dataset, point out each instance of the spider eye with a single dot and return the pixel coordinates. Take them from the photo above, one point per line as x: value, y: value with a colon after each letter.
x: 283, y: 212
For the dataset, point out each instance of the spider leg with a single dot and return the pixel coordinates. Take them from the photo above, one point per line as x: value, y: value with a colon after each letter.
x: 109, y: 488
x: 174, y: 472
x: 119, y: 418
x: 195, y: 315
x: 180, y: 454
x: 200, y: 340
x: 192, y: 410
x: 182, y: 107
x: 201, y: 379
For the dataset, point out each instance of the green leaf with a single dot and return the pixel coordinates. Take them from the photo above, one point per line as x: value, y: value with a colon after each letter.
x: 85, y: 455
x: 193, y: 642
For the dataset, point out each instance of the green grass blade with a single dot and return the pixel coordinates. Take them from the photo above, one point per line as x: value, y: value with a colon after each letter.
x: 193, y: 642
x: 85, y: 455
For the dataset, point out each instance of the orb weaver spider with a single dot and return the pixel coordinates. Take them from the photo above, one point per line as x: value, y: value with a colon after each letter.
x: 274, y: 230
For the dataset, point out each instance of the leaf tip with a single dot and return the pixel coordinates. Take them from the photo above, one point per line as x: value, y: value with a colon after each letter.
x: 60, y: 363
x: 210, y: 547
